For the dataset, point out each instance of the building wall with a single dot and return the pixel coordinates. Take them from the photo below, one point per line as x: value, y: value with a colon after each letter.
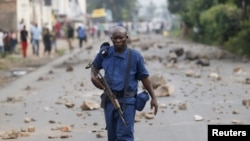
x: 63, y: 8
x: 8, y: 15
x: 13, y: 11
x: 23, y: 12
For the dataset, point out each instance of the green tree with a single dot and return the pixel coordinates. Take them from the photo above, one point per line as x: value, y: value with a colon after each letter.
x: 220, y: 23
x: 224, y: 22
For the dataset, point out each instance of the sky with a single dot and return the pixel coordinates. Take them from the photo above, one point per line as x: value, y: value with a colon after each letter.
x: 145, y: 3
x: 157, y: 2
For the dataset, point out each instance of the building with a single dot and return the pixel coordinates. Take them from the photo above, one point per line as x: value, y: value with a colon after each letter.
x: 8, y: 15
x: 42, y: 12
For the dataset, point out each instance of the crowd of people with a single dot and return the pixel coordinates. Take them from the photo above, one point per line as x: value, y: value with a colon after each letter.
x: 37, y: 36
x: 8, y: 42
x: 45, y: 36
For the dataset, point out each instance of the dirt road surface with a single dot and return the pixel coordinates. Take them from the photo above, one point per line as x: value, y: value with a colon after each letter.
x: 48, y: 101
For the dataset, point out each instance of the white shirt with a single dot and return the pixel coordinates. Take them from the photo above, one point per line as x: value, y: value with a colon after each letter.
x: 1, y: 38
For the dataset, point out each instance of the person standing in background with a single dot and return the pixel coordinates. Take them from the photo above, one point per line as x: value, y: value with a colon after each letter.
x: 7, y: 42
x: 58, y: 27
x: 24, y: 41
x: 54, y: 38
x: 47, y: 40
x: 13, y: 41
x: 2, y: 42
x: 70, y: 35
x: 36, y: 36
x: 81, y: 35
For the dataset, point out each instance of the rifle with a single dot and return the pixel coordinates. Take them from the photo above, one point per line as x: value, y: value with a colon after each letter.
x: 109, y: 93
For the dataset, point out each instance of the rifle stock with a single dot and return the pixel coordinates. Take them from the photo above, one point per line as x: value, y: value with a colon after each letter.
x: 110, y: 94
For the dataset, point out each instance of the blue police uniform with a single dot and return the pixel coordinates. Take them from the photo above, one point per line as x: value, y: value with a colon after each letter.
x: 115, y: 66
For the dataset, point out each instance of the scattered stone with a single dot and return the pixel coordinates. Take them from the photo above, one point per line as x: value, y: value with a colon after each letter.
x: 79, y: 114
x: 12, y: 134
x: 65, y: 129
x: 221, y: 54
x: 138, y: 119
x: 24, y: 134
x: 203, y: 62
x: 51, y: 72
x: 247, y: 81
x: 23, y: 130
x: 164, y: 90
x: 235, y: 112
x: 175, y: 111
x: 10, y: 99
x: 172, y: 57
x: 149, y: 115
x: 47, y: 109
x: 27, y: 120
x: 82, y: 84
x: 236, y: 121
x: 40, y: 79
x: 69, y: 105
x: 31, y: 129
x: 55, y: 128
x: 52, y: 137
x: 157, y: 80
x: 90, y: 105
x: 191, y: 73
x: 162, y: 105
x: 100, y: 135
x: 178, y: 51
x: 182, y: 106
x: 140, y: 115
x: 27, y: 88
x: 64, y: 136
x: 52, y: 121
x: 237, y: 70
x: 59, y: 102
x: 214, y: 76
x: 246, y: 102
x: 69, y: 69
x: 189, y: 55
x: 198, y: 118
x: 94, y: 131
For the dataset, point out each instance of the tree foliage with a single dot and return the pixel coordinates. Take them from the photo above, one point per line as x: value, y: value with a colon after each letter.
x: 220, y: 22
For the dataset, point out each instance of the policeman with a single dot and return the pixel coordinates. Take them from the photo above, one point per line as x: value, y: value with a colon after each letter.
x: 114, y: 63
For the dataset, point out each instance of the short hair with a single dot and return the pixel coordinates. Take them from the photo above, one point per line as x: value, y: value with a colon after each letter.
x: 118, y: 29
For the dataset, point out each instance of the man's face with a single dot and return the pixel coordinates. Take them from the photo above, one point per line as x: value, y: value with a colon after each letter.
x: 119, y: 39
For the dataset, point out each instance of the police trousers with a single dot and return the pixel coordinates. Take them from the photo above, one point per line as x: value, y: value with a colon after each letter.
x: 116, y: 129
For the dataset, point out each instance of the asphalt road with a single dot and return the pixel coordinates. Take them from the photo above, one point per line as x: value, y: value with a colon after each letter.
x: 39, y: 95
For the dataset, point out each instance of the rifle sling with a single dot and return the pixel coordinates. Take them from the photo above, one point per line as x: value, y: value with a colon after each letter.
x: 127, y: 75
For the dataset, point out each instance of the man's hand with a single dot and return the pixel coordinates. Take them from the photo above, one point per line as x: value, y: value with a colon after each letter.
x: 154, y: 104
x: 97, y: 83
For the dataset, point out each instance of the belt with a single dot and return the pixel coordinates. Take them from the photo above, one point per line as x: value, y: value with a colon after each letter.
x: 121, y: 94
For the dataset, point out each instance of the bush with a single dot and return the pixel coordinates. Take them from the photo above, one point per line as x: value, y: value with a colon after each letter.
x: 240, y: 44
x: 219, y: 23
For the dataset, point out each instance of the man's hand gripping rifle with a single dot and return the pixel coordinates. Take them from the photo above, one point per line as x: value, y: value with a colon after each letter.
x: 109, y: 93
